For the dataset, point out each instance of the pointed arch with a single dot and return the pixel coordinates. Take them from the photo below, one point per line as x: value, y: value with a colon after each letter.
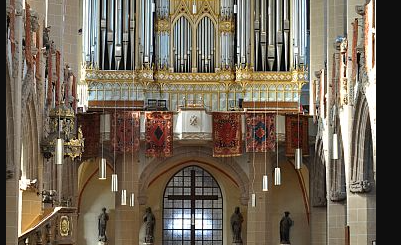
x: 362, y: 148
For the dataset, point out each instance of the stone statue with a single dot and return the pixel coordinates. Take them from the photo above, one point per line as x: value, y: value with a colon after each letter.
x: 103, y: 218
x: 149, y: 220
x: 285, y: 224
x: 236, y: 225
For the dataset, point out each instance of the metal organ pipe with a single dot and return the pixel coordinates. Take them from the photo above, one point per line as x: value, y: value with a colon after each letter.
x: 119, y: 22
x: 103, y: 28
x: 279, y: 29
x: 243, y: 37
x: 110, y: 30
x: 125, y: 31
x: 132, y: 32
x: 295, y: 29
x: 150, y: 30
x: 271, y: 32
x: 286, y: 32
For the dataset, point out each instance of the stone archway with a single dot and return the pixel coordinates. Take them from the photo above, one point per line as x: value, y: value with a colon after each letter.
x: 361, y: 177
x: 202, y: 155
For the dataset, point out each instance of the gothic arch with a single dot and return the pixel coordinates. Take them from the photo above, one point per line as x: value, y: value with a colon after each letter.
x: 362, y: 148
x: 203, y: 158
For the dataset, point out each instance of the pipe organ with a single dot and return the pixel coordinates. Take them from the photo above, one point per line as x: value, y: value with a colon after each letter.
x: 214, y: 51
x: 182, y: 49
x: 200, y: 35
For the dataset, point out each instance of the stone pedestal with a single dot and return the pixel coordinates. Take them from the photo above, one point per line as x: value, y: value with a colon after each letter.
x: 285, y: 243
x: 237, y: 243
x: 147, y: 243
x: 101, y: 243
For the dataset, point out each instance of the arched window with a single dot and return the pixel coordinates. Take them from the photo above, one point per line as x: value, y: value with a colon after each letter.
x: 192, y: 209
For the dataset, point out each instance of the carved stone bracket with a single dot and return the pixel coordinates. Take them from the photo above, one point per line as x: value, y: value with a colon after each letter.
x: 337, y: 196
x: 361, y: 186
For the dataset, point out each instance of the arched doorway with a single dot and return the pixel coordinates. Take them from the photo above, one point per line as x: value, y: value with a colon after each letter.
x: 192, y: 209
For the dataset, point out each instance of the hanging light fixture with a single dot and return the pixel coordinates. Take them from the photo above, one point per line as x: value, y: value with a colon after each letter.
x: 265, y: 183
x: 124, y: 191
x: 132, y: 196
x: 298, y: 158
x: 298, y: 151
x: 114, y: 177
x: 59, y: 141
x: 335, y: 146
x: 132, y: 199
x: 264, y: 178
x: 123, y: 197
x: 59, y: 151
x: 277, y: 172
x: 114, y: 183
x: 277, y: 176
x: 102, y: 163
x: 253, y: 200
x: 102, y: 169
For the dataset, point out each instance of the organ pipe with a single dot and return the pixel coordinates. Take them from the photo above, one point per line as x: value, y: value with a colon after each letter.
x: 271, y: 33
x: 118, y: 47
x: 110, y: 30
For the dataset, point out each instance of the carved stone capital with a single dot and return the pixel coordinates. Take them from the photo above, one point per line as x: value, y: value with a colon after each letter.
x: 361, y: 186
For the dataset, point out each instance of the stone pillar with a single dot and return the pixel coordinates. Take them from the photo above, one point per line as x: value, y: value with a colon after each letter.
x: 127, y: 218
x: 12, y: 184
x: 258, y: 226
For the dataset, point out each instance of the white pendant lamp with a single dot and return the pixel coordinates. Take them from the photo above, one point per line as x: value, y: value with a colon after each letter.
x: 123, y: 197
x: 253, y: 200
x: 335, y: 146
x: 102, y: 169
x: 265, y: 183
x: 298, y: 158
x: 59, y: 151
x: 132, y: 200
x: 114, y: 183
x: 277, y: 176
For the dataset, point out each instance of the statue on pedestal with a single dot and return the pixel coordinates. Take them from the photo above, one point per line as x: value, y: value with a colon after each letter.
x: 103, y: 218
x: 236, y: 225
x: 149, y: 220
x: 285, y: 224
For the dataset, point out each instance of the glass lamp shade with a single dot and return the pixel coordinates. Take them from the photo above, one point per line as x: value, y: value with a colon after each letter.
x: 335, y: 147
x: 298, y: 158
x: 132, y: 200
x: 253, y: 200
x: 102, y: 168
x: 114, y: 183
x: 277, y: 176
x: 123, y: 197
x: 59, y: 151
x: 264, y: 183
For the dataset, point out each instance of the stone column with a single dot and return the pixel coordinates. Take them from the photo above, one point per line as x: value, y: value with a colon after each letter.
x: 258, y: 226
x: 12, y: 185
x: 127, y: 218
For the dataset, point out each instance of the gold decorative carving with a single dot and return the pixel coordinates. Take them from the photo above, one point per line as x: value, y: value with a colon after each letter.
x: 162, y: 26
x: 64, y: 226
x: 227, y: 27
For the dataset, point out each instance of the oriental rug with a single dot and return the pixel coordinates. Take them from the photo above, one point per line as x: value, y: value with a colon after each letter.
x: 296, y: 133
x: 159, y: 134
x: 125, y: 131
x: 260, y: 132
x: 227, y: 134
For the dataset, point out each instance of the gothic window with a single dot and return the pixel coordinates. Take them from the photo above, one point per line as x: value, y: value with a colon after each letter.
x: 192, y: 212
